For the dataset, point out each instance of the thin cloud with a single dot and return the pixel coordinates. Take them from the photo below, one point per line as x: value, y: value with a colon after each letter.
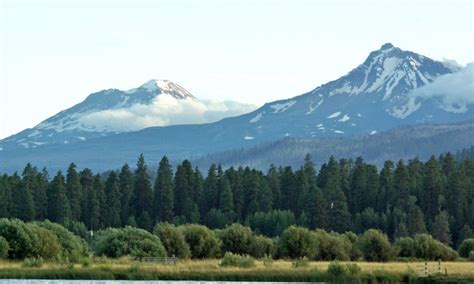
x: 164, y: 111
x: 454, y: 91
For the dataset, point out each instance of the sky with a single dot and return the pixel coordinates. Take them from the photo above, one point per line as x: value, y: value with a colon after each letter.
x: 53, y: 54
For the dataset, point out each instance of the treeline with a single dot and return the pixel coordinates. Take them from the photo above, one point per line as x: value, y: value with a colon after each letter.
x: 401, y: 200
x: 49, y: 241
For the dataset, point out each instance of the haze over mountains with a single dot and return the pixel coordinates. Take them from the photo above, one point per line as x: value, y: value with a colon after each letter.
x: 391, y: 88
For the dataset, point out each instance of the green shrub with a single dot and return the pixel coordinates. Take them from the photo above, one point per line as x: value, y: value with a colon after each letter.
x: 173, y: 240
x: 78, y: 229
x: 86, y: 262
x: 471, y: 255
x: 267, y: 261
x: 33, y: 262
x: 375, y: 246
x: 236, y: 260
x: 4, y: 247
x: 202, y: 242
x: 261, y: 246
x: 300, y: 262
x: 353, y: 269
x: 466, y: 247
x: 236, y: 239
x: 128, y: 241
x: 47, y: 244
x: 21, y: 240
x: 73, y: 247
x: 336, y: 269
x: 297, y: 242
x: 405, y: 247
x: 430, y: 249
x: 332, y: 246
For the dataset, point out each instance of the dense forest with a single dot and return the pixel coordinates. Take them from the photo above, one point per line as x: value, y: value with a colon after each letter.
x: 401, y: 199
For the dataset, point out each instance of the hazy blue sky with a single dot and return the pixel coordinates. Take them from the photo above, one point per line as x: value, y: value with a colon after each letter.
x: 54, y: 53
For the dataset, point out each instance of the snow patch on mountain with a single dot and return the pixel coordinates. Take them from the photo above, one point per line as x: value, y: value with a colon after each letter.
x: 344, y: 118
x: 281, y: 107
x: 334, y: 115
x: 257, y: 117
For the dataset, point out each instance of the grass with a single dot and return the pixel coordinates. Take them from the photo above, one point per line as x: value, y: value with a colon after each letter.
x: 210, y: 269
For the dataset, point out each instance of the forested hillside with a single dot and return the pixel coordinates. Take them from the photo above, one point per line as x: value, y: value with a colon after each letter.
x: 403, y: 198
x: 421, y: 140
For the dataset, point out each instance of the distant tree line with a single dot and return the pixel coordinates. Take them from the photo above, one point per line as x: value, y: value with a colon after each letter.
x: 403, y: 199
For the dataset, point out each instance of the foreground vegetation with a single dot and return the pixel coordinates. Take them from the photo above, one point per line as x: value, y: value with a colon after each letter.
x: 279, y: 270
x: 45, y: 250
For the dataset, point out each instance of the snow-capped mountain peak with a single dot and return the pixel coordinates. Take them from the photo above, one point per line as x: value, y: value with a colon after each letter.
x: 157, y: 87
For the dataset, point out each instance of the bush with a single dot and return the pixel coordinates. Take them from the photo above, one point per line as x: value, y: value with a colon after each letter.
x: 375, y: 246
x: 173, y: 240
x: 471, y: 255
x: 236, y: 260
x: 405, y: 247
x: 336, y: 269
x: 202, y: 242
x: 261, y: 246
x: 267, y: 261
x: 128, y: 241
x: 297, y: 242
x: 430, y: 249
x: 236, y: 239
x: 333, y: 246
x: 300, y: 262
x: 466, y: 247
x: 73, y: 247
x: 33, y: 262
x: 47, y: 245
x: 4, y: 247
x: 78, y: 229
x: 22, y: 240
x: 353, y: 269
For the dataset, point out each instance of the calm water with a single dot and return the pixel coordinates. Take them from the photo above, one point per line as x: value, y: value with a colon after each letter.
x: 126, y: 282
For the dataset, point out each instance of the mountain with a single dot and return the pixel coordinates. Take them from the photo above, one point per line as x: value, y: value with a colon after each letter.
x: 405, y: 142
x: 112, y: 111
x: 391, y: 88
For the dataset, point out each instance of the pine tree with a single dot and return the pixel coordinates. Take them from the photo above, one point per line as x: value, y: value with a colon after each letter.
x: 386, y: 195
x: 358, y: 187
x: 89, y: 206
x: 211, y: 189
x: 164, y: 192
x: 316, y: 209
x: 126, y: 192
x: 74, y: 192
x: 274, y: 184
x: 401, y: 186
x: 113, y: 203
x: 432, y: 184
x: 58, y: 205
x: 184, y: 206
x: 440, y: 230
x: 339, y: 216
x: 102, y: 209
x: 40, y: 196
x: 142, y: 193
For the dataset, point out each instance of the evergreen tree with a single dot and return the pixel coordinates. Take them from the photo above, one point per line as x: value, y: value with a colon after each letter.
x: 99, y: 188
x: 274, y: 184
x: 386, y: 195
x: 40, y: 196
x: 401, y: 186
x: 316, y: 209
x: 184, y: 206
x: 74, y: 192
x: 164, y: 192
x: 126, y: 192
x: 24, y: 208
x: 440, y: 230
x: 211, y: 189
x: 358, y: 187
x: 113, y: 203
x: 58, y: 205
x: 432, y: 184
x: 142, y: 193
